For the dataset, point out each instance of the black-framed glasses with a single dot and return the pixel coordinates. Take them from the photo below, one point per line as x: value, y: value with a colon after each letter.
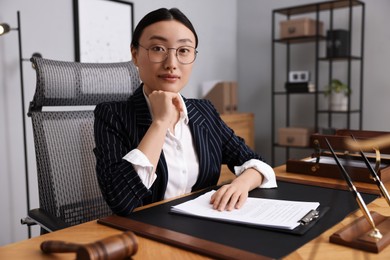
x: 159, y: 53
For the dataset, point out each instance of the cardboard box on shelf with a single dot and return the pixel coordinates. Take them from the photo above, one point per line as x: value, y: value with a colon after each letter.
x: 294, y: 136
x: 223, y: 95
x: 299, y: 28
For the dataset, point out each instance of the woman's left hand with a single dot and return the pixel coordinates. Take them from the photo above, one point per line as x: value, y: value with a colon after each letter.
x: 233, y: 196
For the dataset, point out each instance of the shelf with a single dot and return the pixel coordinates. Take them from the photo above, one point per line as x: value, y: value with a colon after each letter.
x: 344, y: 58
x: 338, y: 112
x: 310, y: 8
x: 290, y: 146
x: 294, y: 93
x: 302, y: 39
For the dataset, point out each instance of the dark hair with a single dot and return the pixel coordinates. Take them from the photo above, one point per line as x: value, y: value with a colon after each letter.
x: 162, y: 14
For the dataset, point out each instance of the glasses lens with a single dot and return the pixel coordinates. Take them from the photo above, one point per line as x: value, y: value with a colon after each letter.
x: 157, y: 53
x: 186, y: 54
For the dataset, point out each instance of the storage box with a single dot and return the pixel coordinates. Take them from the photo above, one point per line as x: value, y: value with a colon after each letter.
x: 358, y: 171
x: 294, y: 136
x: 337, y: 43
x: 322, y: 164
x: 300, y: 28
x: 223, y: 95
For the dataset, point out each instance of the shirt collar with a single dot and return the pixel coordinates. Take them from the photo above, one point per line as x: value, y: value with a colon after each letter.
x: 183, y: 114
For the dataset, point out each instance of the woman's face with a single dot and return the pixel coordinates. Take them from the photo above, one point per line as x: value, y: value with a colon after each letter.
x: 169, y: 75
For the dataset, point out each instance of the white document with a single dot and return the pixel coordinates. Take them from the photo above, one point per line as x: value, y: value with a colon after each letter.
x: 282, y: 214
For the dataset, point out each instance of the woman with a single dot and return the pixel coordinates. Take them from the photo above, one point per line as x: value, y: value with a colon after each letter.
x: 158, y: 144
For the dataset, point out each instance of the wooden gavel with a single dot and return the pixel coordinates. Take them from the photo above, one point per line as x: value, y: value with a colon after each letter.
x: 120, y: 246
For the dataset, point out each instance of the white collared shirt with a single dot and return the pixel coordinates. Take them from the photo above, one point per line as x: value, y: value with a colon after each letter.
x: 182, y: 161
x: 180, y: 156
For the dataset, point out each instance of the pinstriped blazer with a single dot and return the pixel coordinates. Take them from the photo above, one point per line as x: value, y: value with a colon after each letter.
x: 119, y: 128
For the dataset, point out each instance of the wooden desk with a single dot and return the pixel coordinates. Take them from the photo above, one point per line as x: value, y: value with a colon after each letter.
x: 319, y: 248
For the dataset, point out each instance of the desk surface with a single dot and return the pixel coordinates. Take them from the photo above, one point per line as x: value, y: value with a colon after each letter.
x: 318, y: 248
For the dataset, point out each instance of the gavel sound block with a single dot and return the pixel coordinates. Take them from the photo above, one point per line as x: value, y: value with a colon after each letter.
x: 114, y: 247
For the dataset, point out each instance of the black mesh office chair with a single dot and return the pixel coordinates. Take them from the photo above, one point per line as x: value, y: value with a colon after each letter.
x: 62, y: 120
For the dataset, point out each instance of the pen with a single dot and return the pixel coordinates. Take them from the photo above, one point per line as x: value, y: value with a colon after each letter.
x: 376, y: 233
x: 374, y: 175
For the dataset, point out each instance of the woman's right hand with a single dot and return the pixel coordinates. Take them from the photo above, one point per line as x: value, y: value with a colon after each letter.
x: 166, y: 106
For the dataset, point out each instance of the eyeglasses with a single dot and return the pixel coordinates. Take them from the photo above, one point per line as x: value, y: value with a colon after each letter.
x: 159, y: 53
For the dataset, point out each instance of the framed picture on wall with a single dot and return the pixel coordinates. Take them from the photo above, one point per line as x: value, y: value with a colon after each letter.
x: 103, y: 30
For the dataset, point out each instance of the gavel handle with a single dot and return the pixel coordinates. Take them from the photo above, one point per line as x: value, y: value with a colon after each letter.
x: 114, y: 247
x: 53, y: 246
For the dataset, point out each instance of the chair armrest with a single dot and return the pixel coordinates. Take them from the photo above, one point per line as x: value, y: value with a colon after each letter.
x: 44, y: 219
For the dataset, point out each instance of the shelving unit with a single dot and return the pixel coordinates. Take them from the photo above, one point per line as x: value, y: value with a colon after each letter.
x: 323, y: 69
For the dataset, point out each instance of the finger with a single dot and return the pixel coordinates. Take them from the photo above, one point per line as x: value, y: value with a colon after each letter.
x: 212, y: 198
x: 234, y: 199
x: 176, y: 102
x: 224, y: 201
x: 241, y: 200
x: 217, y: 196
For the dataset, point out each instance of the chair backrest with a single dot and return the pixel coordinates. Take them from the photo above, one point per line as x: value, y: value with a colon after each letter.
x: 63, y: 133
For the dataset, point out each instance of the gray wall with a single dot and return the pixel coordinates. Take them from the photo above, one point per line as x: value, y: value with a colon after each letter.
x: 235, y: 44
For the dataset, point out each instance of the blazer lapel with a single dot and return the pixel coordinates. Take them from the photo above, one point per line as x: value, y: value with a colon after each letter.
x: 143, y: 117
x: 200, y: 133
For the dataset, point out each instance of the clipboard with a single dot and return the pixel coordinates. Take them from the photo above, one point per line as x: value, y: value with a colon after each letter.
x: 299, y: 230
x: 254, y: 215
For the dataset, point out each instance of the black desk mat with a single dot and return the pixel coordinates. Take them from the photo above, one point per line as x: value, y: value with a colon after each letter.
x: 260, y: 241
